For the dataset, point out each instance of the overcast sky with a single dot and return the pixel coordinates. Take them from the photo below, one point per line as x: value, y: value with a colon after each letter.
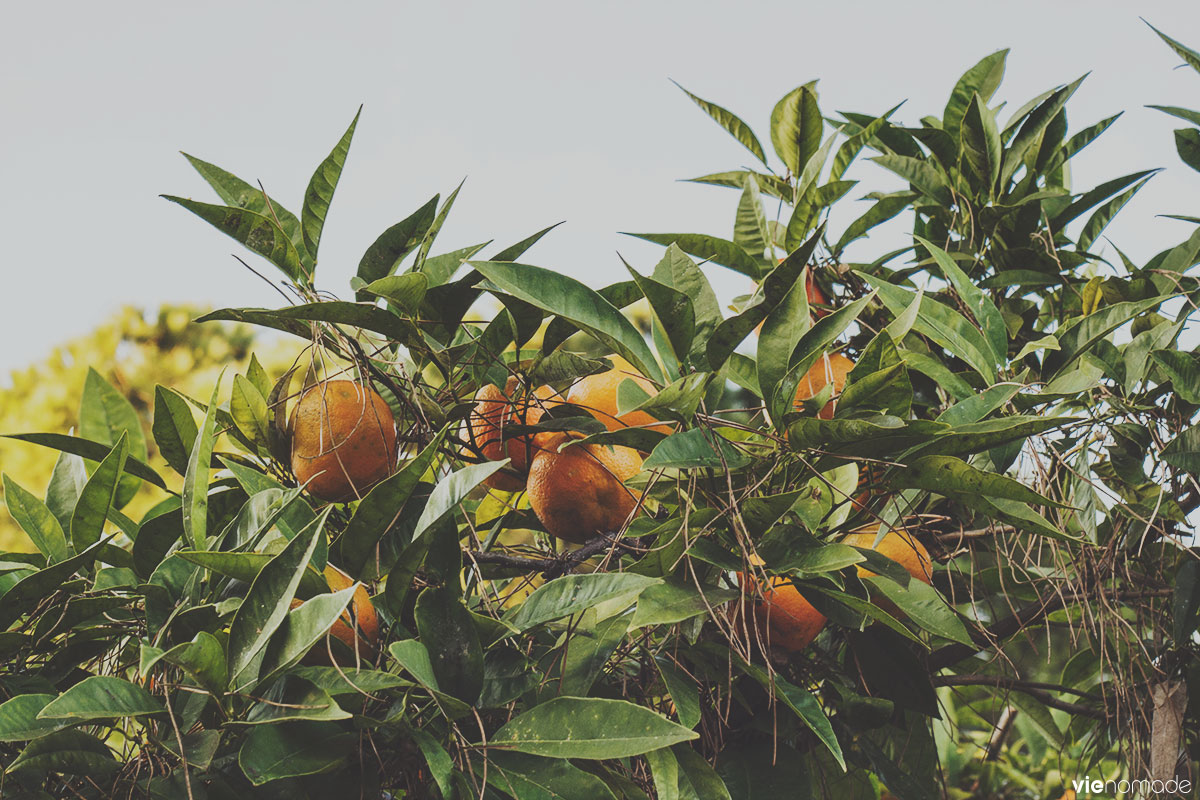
x: 551, y: 110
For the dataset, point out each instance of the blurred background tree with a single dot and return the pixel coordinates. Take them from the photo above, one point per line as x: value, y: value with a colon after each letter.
x: 135, y: 350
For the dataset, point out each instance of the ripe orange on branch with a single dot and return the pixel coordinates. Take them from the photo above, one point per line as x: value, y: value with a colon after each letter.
x: 343, y: 439
x: 829, y: 369
x: 790, y: 622
x: 495, y: 408
x: 580, y: 492
x: 597, y: 394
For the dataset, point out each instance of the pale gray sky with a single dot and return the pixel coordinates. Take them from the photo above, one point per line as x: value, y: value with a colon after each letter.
x: 553, y: 111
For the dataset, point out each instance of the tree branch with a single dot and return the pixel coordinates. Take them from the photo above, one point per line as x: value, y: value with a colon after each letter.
x: 552, y: 567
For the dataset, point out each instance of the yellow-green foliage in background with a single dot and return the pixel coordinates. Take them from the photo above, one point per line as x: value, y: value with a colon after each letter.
x: 134, y: 351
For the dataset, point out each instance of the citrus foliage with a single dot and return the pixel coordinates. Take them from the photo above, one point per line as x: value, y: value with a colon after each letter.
x: 1012, y: 454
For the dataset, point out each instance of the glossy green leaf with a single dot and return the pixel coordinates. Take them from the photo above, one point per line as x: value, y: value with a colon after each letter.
x: 450, y: 491
x: 697, y: 448
x: 292, y: 698
x: 942, y: 324
x: 321, y: 187
x: 195, y: 481
x: 732, y: 123
x: 19, y: 720
x: 101, y: 697
x: 804, y: 705
x: 293, y: 749
x: 671, y: 602
x: 72, y: 752
x: 590, y: 646
x: 248, y: 408
x: 568, y: 298
x: 529, y: 777
x: 1189, y: 56
x: 589, y: 728
x: 386, y: 253
x: 441, y: 767
x: 796, y: 127
x: 921, y: 173
x: 92, y: 451
x: 414, y: 657
x: 781, y: 332
x: 708, y: 248
x: 257, y: 232
x: 982, y: 79
x: 405, y: 291
x: 1183, y: 370
x: 267, y: 602
x: 96, y: 500
x: 380, y: 509
x: 750, y: 223
x: 976, y: 300
x: 673, y: 312
x: 884, y: 209
x: 685, y: 694
x: 981, y: 143
x: 1187, y: 144
x: 1184, y: 451
x: 36, y: 519
x: 174, y: 428
x: 571, y: 594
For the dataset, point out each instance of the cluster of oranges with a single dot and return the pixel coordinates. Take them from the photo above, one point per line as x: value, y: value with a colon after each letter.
x: 577, y: 491
x: 789, y: 622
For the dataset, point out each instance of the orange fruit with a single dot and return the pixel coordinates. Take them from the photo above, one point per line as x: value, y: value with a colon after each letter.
x: 828, y: 369
x: 898, y: 545
x: 358, y: 627
x: 597, y: 394
x: 580, y: 493
x: 343, y: 439
x: 495, y: 408
x: 791, y: 623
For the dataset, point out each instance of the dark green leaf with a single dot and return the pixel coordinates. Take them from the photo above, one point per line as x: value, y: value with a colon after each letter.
x: 291, y: 749
x: 589, y: 728
x: 571, y: 594
x: 258, y: 233
x: 708, y: 248
x: 796, y: 127
x: 321, y: 187
x: 93, y: 451
x: 382, y: 257
x: 174, y: 428
x: 731, y: 123
x: 101, y: 697
x: 96, y: 499
x: 36, y: 519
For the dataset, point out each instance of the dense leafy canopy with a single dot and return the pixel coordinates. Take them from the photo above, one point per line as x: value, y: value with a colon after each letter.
x: 1018, y: 403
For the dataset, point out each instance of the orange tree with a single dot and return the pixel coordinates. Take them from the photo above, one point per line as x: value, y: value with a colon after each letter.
x: 926, y: 538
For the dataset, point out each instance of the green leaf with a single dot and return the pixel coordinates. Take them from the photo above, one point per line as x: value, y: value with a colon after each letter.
x: 1185, y: 607
x: 101, y: 697
x: 267, y: 602
x: 781, y: 331
x: 1179, y: 113
x: 995, y: 332
x: 884, y: 209
x: 678, y: 271
x: 921, y: 173
x: 380, y: 509
x: 731, y: 123
x: 1183, y: 370
x: 589, y: 728
x: 195, y: 481
x: 942, y: 324
x: 258, y: 233
x: 450, y: 491
x: 668, y: 603
x: 441, y: 268
x: 855, y: 143
x: 1104, y: 214
x: 292, y: 698
x: 1184, y: 451
x: 72, y: 752
x: 292, y: 749
x: 982, y: 79
x: 672, y: 310
x: 803, y: 704
x: 749, y: 223
x: 321, y: 187
x: 568, y: 298
x: 36, y: 519
x: 1190, y: 57
x: 981, y: 143
x: 441, y: 767
x: 248, y: 408
x: 436, y: 228
x: 532, y: 778
x: 951, y: 476
x: 708, y: 248
x: 796, y: 127
x: 772, y: 185
x: 104, y: 414
x: 1077, y: 337
x: 396, y: 242
x: 35, y: 587
x: 571, y: 594
x: 96, y: 500
x: 685, y: 694
x: 406, y: 291
x: 449, y: 634
x: 697, y: 448
x: 204, y: 659
x: 414, y: 657
x: 174, y: 428
x: 976, y: 407
x: 589, y: 649
x: 1187, y: 143
x: 85, y: 448
x: 924, y: 606
x: 234, y: 191
x: 19, y: 720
